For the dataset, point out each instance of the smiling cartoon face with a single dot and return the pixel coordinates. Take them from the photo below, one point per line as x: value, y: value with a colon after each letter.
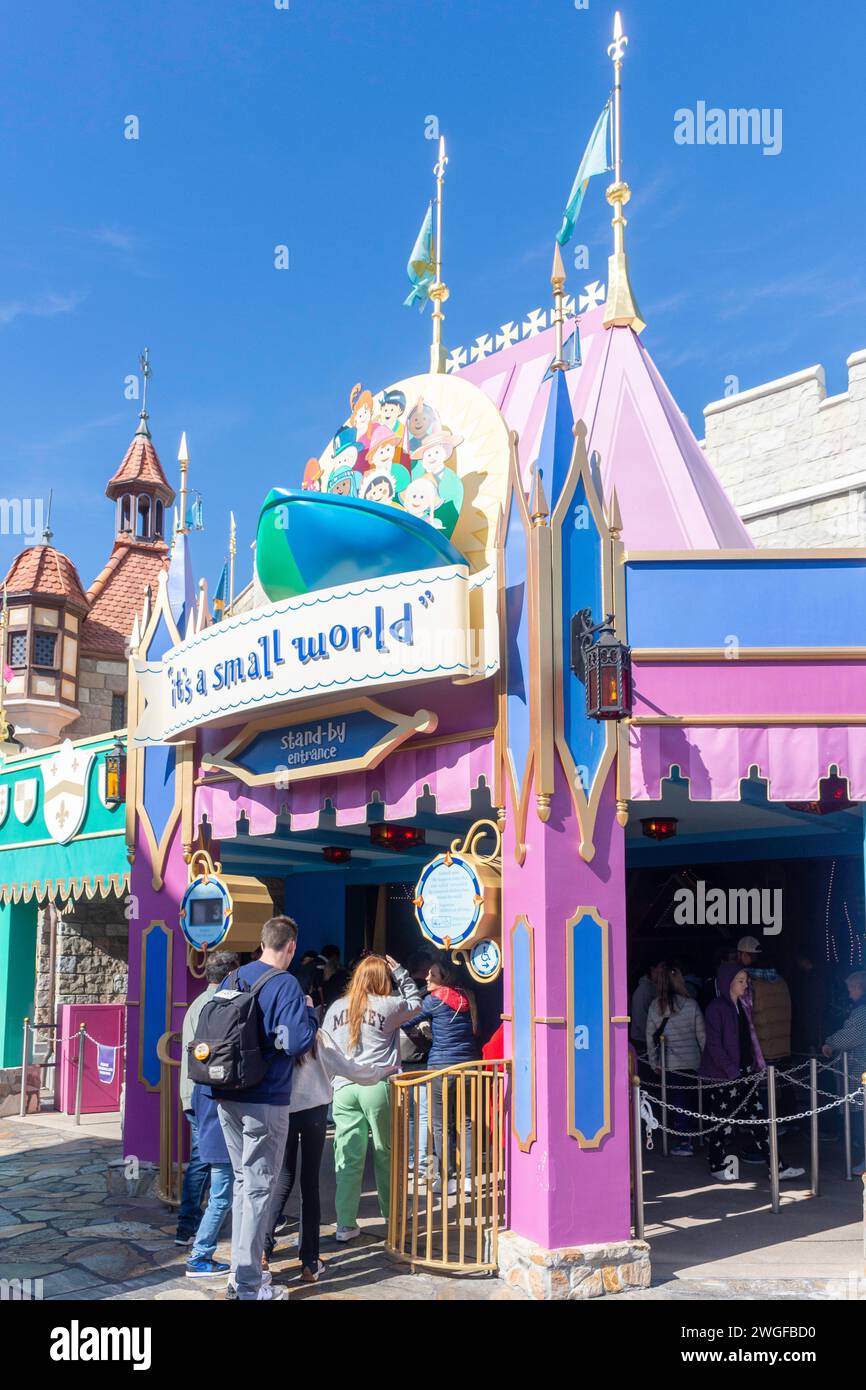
x: 421, y: 497
x: 434, y: 458
x: 384, y: 454
x: 361, y: 419
x: 379, y: 489
x: 390, y: 413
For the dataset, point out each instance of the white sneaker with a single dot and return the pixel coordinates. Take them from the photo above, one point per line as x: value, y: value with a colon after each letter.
x: 451, y: 1187
x: 347, y: 1233
x: 723, y: 1175
x: 271, y: 1292
x: 785, y: 1174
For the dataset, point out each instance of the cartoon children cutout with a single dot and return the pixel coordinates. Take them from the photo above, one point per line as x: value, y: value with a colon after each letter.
x: 360, y: 419
x: 312, y: 481
x: 344, y: 477
x: 343, y: 481
x: 421, y: 499
x: 379, y: 487
x: 430, y: 458
x: 422, y: 421
x: 391, y: 406
x: 384, y: 454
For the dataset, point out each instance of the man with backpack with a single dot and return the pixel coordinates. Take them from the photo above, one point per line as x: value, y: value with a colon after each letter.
x: 247, y: 1038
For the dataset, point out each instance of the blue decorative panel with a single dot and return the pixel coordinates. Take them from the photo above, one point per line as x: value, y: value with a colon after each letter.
x: 523, y: 1033
x: 557, y: 439
x: 581, y: 588
x: 517, y: 644
x: 158, y: 794
x: 154, y: 994
x: 762, y: 603
x: 589, y: 1030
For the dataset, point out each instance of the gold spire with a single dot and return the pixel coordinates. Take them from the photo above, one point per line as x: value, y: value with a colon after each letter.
x: 557, y: 281
x: 620, y: 308
x: 439, y: 290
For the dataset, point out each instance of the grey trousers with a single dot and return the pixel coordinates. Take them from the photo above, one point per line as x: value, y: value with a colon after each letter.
x: 255, y: 1137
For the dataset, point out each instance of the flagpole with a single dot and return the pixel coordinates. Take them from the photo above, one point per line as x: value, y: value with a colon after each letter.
x: 439, y: 290
x: 233, y: 546
x: 557, y: 281
x: 183, y: 460
x: 620, y: 309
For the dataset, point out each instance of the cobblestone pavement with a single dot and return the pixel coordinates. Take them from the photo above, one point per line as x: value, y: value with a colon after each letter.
x: 60, y: 1224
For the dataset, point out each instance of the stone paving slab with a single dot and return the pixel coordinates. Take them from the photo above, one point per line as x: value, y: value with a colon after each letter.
x: 60, y: 1223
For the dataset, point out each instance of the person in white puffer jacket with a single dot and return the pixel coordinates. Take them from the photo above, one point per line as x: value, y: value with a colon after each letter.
x: 312, y: 1093
x: 675, y: 1016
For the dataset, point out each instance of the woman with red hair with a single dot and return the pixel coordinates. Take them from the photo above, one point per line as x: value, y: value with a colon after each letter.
x: 365, y: 1024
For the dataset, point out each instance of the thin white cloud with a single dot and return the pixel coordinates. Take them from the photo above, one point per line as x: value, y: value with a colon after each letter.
x: 42, y: 306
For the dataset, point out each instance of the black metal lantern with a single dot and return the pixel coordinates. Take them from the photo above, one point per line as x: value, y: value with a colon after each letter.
x: 603, y: 666
x: 115, y: 775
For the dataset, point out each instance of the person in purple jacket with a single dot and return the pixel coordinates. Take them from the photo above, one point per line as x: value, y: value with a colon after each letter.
x: 732, y: 1053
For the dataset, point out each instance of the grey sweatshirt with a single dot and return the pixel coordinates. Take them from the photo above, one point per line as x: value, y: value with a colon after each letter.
x: 379, y: 1042
x: 311, y: 1076
x: 684, y: 1035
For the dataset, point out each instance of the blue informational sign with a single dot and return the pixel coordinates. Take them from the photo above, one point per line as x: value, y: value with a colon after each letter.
x: 449, y: 900
x: 205, y: 912
x: 485, y: 960
x: 588, y: 1017
x: 325, y: 743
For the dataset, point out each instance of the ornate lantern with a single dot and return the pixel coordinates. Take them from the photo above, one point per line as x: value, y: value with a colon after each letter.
x: 115, y: 775
x: 603, y: 666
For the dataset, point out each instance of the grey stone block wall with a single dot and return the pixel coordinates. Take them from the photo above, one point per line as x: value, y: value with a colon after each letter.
x: 98, y: 680
x: 793, y: 459
x: 90, y: 956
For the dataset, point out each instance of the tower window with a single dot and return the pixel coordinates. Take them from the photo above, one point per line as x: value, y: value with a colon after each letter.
x: 125, y: 523
x: 158, y: 513
x: 142, y: 528
x: 18, y: 649
x: 44, y: 645
x: 118, y: 711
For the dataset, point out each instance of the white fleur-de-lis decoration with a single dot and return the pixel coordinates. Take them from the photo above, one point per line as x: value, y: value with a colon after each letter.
x: 616, y: 49
x: 483, y: 348
x: 456, y: 360
x: 535, y: 320
x: 508, y: 334
x: 592, y: 296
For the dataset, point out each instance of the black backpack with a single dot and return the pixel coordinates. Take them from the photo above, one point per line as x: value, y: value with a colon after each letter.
x: 226, y: 1050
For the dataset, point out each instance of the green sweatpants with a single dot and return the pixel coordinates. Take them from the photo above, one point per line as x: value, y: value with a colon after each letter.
x: 359, y: 1113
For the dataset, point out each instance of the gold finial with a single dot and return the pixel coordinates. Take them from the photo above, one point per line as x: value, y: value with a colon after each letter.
x: 557, y: 281
x: 233, y: 550
x: 615, y: 521
x: 620, y: 308
x: 438, y: 290
x: 183, y: 460
x: 539, y: 510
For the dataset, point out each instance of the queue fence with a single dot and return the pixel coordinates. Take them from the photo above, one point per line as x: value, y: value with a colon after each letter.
x: 645, y: 1120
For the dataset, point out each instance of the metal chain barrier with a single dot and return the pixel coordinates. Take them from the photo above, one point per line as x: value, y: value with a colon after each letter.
x: 80, y: 1035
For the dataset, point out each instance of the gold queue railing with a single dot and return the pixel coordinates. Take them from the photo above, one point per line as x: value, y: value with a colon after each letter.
x: 445, y: 1212
x: 171, y: 1122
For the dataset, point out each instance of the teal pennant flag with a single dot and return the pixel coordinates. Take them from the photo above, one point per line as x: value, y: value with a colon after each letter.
x: 421, y: 268
x: 219, y: 598
x: 594, y: 162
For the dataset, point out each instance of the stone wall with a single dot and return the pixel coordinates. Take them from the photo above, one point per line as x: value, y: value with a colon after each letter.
x: 98, y: 680
x: 793, y: 459
x: 90, y: 956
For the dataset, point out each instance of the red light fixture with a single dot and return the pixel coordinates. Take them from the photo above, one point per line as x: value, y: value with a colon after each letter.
x: 336, y: 854
x: 833, y: 797
x: 660, y: 827
x: 396, y: 837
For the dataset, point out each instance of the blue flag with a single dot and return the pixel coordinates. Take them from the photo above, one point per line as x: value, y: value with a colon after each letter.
x: 219, y: 598
x: 421, y: 268
x: 594, y: 162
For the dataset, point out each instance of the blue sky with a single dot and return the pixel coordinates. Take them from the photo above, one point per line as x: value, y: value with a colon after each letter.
x: 305, y: 126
